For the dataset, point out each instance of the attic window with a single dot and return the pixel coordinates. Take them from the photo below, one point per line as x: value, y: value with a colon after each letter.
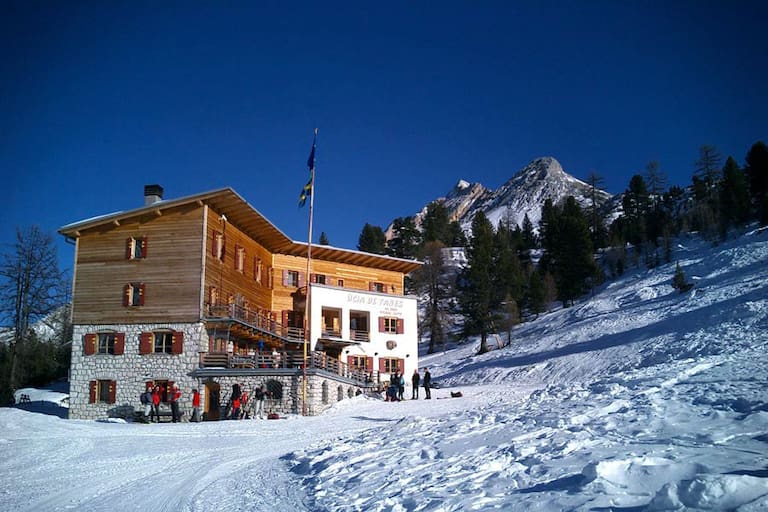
x: 136, y: 248
x: 133, y: 294
x: 218, y: 245
x: 240, y: 259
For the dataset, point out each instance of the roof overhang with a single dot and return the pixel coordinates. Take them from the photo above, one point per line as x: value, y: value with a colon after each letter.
x: 237, y: 211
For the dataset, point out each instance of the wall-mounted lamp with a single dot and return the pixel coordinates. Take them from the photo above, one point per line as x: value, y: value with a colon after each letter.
x: 375, y: 353
x: 407, y: 355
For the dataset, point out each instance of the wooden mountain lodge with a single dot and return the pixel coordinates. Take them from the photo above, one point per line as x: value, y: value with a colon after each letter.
x: 205, y: 292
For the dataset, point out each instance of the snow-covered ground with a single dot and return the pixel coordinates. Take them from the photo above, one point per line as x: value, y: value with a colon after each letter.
x: 638, y: 399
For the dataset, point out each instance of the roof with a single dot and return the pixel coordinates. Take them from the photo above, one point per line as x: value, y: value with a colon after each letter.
x: 240, y: 213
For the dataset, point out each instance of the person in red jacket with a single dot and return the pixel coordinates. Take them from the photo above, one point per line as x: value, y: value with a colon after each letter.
x: 195, y: 405
x: 156, y: 392
x: 175, y: 396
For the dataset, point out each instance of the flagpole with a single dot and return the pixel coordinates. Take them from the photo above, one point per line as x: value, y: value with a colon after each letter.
x: 307, y: 322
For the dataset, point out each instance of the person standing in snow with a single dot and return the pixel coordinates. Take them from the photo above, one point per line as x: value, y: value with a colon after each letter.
x: 415, y: 380
x: 427, y: 382
x: 175, y: 397
x: 156, y: 394
x: 401, y: 387
x: 259, y: 396
x: 146, y: 401
x: 195, y: 406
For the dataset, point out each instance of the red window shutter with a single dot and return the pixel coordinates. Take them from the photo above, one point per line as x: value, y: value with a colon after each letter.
x: 400, y: 326
x: 401, y: 365
x: 350, y: 361
x: 145, y: 343
x: 177, y: 342
x: 119, y: 343
x: 371, y: 287
x: 126, y: 295
x: 285, y: 278
x: 144, y: 246
x: 302, y: 279
x: 142, y: 290
x: 312, y: 278
x: 92, y: 391
x: 90, y: 344
x: 129, y: 248
x: 382, y: 365
x: 381, y: 324
x: 369, y: 363
x: 112, y: 391
x: 285, y: 317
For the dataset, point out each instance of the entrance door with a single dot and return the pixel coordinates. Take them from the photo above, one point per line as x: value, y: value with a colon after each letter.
x: 212, y: 401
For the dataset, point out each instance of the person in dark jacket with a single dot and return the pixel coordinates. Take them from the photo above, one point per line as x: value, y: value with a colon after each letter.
x: 175, y: 397
x: 415, y: 380
x: 427, y: 382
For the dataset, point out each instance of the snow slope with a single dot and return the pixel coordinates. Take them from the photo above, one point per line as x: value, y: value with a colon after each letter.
x: 638, y: 399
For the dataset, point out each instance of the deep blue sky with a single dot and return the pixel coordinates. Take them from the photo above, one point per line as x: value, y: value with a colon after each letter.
x: 98, y: 99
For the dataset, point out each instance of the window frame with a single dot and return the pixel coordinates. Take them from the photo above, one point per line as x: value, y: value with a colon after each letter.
x: 164, y: 339
x: 105, y: 343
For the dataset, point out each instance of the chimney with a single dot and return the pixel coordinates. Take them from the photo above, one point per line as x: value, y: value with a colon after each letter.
x: 152, y: 194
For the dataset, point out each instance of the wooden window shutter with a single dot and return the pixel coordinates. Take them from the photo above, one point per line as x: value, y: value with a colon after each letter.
x: 112, y: 391
x: 382, y: 365
x: 215, y: 244
x: 285, y: 278
x: 369, y: 363
x: 312, y: 278
x: 177, y: 342
x: 145, y: 343
x: 400, y: 326
x: 401, y: 365
x: 302, y: 279
x: 371, y: 287
x: 144, y: 246
x: 381, y: 324
x: 119, y: 343
x: 285, y: 317
x: 351, y: 361
x: 142, y: 292
x: 129, y: 248
x: 90, y: 344
x: 127, y: 295
x: 92, y: 385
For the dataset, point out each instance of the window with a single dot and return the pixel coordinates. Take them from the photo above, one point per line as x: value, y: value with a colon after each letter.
x: 102, y: 391
x: 136, y: 248
x: 378, y: 287
x: 319, y: 278
x: 258, y: 269
x: 106, y: 343
x: 133, y: 294
x: 161, y: 342
x: 360, y: 362
x: 391, y: 364
x: 341, y: 283
x: 391, y: 325
x: 291, y: 278
x: 358, y: 326
x: 240, y: 259
x: 218, y: 245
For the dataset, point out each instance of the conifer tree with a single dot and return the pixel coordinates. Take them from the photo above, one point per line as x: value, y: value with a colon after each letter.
x: 434, y: 225
x: 574, y: 257
x: 734, y: 196
x: 757, y: 171
x: 536, y: 293
x: 372, y: 240
x: 456, y: 236
x: 475, y: 283
x: 432, y: 281
x: 405, y: 240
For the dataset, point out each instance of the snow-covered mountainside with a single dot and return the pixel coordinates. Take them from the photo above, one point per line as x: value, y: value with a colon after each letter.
x: 639, y: 398
x: 524, y: 193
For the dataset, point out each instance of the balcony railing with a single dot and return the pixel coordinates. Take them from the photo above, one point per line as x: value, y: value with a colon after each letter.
x: 255, y: 319
x: 292, y: 360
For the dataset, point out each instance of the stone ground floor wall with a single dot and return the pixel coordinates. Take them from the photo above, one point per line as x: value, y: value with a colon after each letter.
x: 286, y: 392
x: 131, y: 370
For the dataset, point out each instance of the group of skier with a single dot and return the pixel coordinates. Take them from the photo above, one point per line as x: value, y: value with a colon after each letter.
x: 153, y: 396
x: 241, y: 406
x: 396, y: 388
